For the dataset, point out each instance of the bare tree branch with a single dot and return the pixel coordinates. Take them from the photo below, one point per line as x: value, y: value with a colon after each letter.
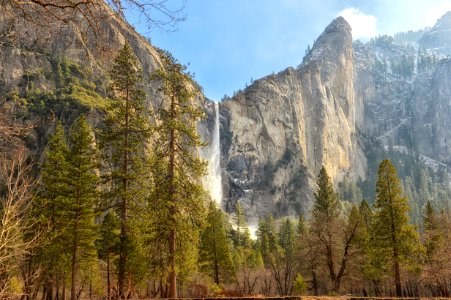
x: 155, y: 13
x: 15, y: 204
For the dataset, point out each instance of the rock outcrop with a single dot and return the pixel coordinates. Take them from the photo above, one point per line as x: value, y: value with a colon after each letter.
x: 30, y: 48
x: 278, y: 132
x: 439, y: 37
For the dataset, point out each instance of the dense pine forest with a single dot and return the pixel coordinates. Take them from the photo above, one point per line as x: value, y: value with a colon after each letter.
x: 101, y: 193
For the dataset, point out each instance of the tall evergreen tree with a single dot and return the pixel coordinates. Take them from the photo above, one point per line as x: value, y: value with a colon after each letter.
x: 215, y: 256
x: 392, y: 235
x: 82, y: 196
x: 51, y: 192
x: 324, y: 223
x: 285, y: 264
x: 177, y: 166
x: 336, y: 245
x: 241, y: 235
x: 124, y: 139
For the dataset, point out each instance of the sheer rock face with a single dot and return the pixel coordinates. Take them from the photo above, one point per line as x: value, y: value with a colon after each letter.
x: 280, y: 131
x: 413, y: 110
x: 440, y: 115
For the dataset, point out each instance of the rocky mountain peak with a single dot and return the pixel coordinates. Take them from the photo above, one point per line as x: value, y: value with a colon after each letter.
x: 439, y: 38
x: 336, y: 40
x: 444, y: 22
x: 339, y: 24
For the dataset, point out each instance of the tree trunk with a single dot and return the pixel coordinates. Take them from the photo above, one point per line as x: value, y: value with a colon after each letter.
x: 172, y: 274
x: 172, y: 234
x: 108, y: 282
x: 74, y: 260
x: 216, y: 262
x: 123, y: 239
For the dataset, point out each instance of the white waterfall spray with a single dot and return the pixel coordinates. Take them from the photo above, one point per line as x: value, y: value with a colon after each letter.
x: 212, y: 181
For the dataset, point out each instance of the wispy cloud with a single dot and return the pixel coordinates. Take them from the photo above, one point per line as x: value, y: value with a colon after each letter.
x: 363, y: 25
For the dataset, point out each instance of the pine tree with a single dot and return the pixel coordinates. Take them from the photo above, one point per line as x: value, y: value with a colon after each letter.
x: 215, y: 256
x: 335, y: 245
x: 392, y: 235
x: 51, y: 193
x: 366, y: 212
x: 267, y: 238
x: 324, y: 226
x: 124, y: 139
x: 81, y: 196
x: 285, y: 263
x: 326, y: 204
x: 241, y: 234
x: 177, y: 167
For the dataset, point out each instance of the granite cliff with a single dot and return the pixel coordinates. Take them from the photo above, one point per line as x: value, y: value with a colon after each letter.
x: 278, y: 132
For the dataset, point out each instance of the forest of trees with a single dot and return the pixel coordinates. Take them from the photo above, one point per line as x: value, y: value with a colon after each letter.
x: 118, y: 212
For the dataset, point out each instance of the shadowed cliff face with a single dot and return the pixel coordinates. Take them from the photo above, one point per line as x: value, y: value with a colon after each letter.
x: 278, y: 132
x: 440, y: 114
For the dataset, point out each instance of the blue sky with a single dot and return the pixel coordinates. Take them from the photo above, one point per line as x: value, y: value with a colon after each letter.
x: 228, y: 42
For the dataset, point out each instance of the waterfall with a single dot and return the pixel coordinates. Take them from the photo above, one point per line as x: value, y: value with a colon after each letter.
x: 212, y: 181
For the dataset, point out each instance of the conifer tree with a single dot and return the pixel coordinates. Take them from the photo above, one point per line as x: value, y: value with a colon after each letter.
x: 392, y: 235
x: 124, y: 139
x: 336, y: 245
x: 81, y: 196
x: 267, y: 238
x: 241, y: 234
x: 51, y: 192
x: 177, y: 168
x: 324, y: 226
x: 215, y: 256
x: 285, y: 263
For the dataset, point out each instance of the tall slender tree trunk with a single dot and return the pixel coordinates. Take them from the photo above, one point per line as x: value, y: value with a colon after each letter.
x: 395, y: 252
x: 74, y: 260
x: 123, y: 239
x: 108, y: 282
x: 172, y: 274
x: 172, y: 234
x: 397, y: 278
x: 216, y: 262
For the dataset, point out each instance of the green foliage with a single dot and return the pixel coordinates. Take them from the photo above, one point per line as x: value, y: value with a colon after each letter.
x: 124, y: 138
x: 67, y: 198
x: 75, y: 92
x: 83, y: 180
x: 215, y: 255
x: 326, y: 203
x: 394, y: 240
x: 176, y: 193
x: 299, y: 285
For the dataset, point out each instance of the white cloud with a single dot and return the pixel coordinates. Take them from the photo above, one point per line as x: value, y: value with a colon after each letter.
x: 363, y: 25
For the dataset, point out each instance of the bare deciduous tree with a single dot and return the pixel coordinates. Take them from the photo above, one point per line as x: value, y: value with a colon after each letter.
x: 15, y: 202
x: 155, y: 13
